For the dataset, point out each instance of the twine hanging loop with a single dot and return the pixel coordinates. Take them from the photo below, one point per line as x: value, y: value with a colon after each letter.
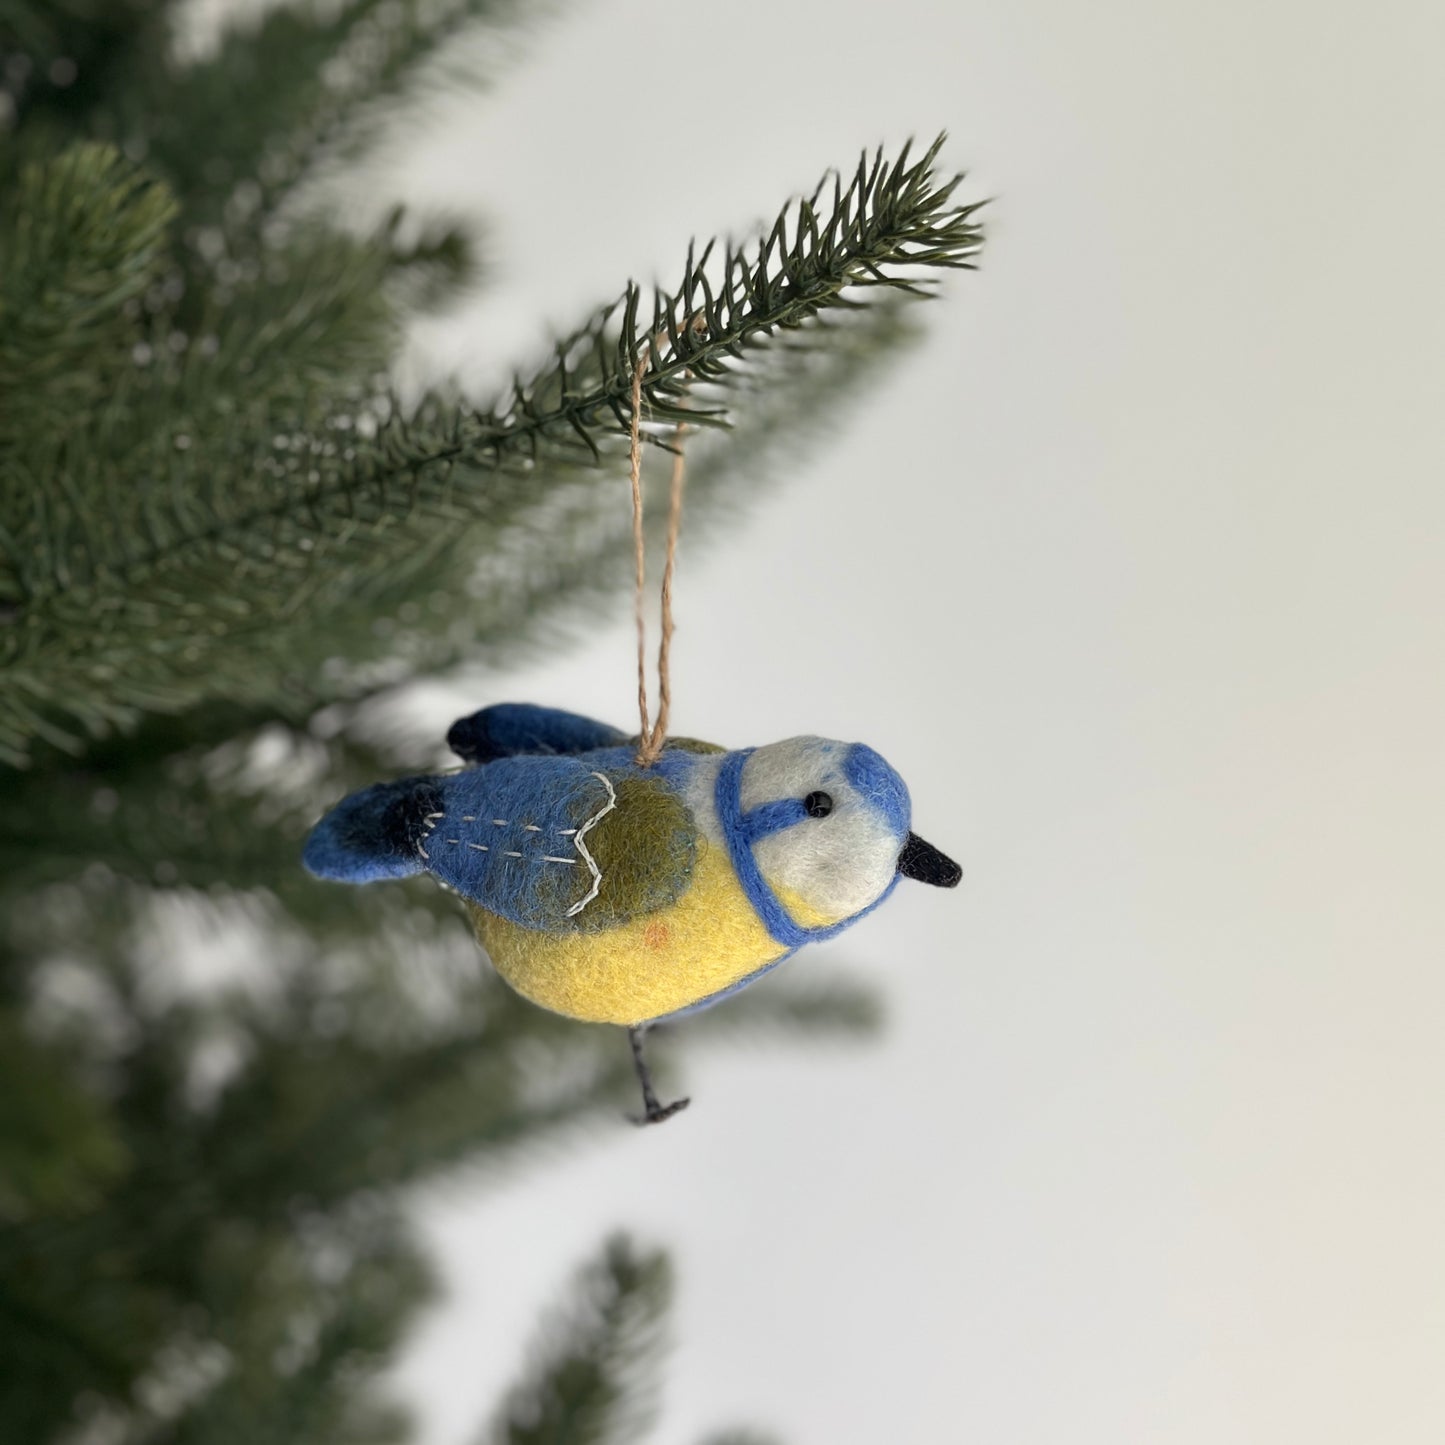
x: 653, y: 736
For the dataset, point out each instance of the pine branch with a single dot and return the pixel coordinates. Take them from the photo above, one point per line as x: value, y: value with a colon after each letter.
x: 171, y: 799
x: 182, y: 608
x: 593, y: 1375
x: 270, y: 1330
x: 58, y: 1148
x: 299, y: 1343
x: 430, y: 262
x: 81, y: 239
x: 238, y: 131
x: 66, y: 56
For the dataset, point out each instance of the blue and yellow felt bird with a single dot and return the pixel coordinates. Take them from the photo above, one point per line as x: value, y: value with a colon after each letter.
x: 620, y: 894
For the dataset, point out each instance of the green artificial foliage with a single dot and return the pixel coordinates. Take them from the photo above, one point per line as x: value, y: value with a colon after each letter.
x: 259, y: 487
x: 224, y: 544
x: 594, y: 1376
x: 82, y: 239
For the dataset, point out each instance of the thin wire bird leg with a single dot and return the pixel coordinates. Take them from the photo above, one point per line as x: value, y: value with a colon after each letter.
x: 656, y: 1112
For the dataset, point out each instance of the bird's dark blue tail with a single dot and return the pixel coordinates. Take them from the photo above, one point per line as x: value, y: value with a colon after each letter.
x: 377, y: 833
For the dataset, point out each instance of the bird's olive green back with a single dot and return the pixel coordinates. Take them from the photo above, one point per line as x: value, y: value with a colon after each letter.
x: 644, y: 849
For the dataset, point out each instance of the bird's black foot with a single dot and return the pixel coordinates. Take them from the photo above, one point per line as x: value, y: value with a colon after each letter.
x: 659, y: 1113
x: 655, y: 1112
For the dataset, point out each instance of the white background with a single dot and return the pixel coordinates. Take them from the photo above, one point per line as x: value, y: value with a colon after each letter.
x: 1134, y: 573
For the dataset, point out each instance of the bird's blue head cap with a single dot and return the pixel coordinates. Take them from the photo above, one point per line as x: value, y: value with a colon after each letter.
x: 819, y: 834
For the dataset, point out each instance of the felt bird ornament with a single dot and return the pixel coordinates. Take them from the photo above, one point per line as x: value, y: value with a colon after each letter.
x: 623, y: 894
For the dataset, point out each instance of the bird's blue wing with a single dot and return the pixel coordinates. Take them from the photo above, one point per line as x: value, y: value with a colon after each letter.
x: 553, y: 843
x: 563, y: 843
x: 512, y: 837
x: 510, y: 729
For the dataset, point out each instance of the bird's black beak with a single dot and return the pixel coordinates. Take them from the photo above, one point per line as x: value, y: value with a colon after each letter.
x: 924, y: 862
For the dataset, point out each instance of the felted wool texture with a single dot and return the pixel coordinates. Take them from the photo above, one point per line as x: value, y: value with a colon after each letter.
x: 838, y: 865
x: 686, y: 745
x: 555, y: 843
x: 510, y: 729
x: 651, y: 966
x: 374, y: 833
x: 645, y: 851
x: 513, y: 729
x: 921, y: 860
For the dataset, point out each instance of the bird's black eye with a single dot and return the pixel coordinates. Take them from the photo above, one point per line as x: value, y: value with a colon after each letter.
x: 817, y: 805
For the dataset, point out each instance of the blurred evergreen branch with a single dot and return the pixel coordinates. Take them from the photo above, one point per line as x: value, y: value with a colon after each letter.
x: 83, y: 236
x: 237, y: 1130
x: 594, y: 1377
x: 261, y: 502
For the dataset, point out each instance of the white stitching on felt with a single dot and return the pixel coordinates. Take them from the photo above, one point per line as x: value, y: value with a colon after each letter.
x: 581, y: 846
x: 546, y: 858
x: 431, y: 821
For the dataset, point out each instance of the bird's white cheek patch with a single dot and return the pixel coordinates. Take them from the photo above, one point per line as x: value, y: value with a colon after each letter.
x: 788, y: 769
x: 837, y: 866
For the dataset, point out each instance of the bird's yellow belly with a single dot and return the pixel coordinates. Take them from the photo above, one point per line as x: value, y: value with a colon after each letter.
x: 653, y: 965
